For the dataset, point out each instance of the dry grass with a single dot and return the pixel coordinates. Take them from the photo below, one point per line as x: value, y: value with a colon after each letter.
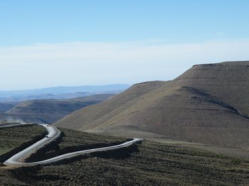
x: 207, y: 104
x: 16, y: 138
x: 149, y: 163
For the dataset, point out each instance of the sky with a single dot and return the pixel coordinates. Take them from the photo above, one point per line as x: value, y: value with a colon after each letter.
x: 46, y: 43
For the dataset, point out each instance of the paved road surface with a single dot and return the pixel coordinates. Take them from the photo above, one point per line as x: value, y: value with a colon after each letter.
x: 18, y: 160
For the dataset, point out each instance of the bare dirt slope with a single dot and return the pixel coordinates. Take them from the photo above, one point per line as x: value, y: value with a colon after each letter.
x: 207, y: 104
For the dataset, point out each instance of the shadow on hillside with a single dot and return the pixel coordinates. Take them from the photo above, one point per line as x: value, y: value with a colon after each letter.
x: 119, y: 154
x: 47, y: 151
x: 53, y: 149
x: 7, y: 155
x: 29, y: 175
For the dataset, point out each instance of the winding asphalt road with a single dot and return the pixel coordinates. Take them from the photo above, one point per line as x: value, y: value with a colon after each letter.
x: 18, y: 160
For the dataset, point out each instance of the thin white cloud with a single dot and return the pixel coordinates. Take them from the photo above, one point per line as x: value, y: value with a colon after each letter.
x: 77, y: 63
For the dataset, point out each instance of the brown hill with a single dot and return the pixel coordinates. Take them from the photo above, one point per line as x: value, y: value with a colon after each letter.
x: 207, y: 104
x: 51, y: 110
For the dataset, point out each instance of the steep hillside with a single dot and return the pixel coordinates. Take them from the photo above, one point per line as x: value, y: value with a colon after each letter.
x: 49, y: 111
x: 207, y: 104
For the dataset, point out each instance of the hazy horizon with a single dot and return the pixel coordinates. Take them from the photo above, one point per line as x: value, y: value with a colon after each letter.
x: 53, y: 87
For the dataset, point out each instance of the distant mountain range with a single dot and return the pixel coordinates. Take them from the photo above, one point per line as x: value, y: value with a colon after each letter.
x: 46, y: 110
x: 207, y: 104
x: 60, y: 92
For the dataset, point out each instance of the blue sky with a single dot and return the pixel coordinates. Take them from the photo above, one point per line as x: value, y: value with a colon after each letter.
x: 52, y: 21
x: 98, y: 40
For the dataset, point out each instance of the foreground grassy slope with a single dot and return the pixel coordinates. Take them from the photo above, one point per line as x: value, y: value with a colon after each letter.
x: 207, y: 104
x: 148, y: 163
x: 51, y: 110
x: 12, y: 138
x: 71, y: 141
